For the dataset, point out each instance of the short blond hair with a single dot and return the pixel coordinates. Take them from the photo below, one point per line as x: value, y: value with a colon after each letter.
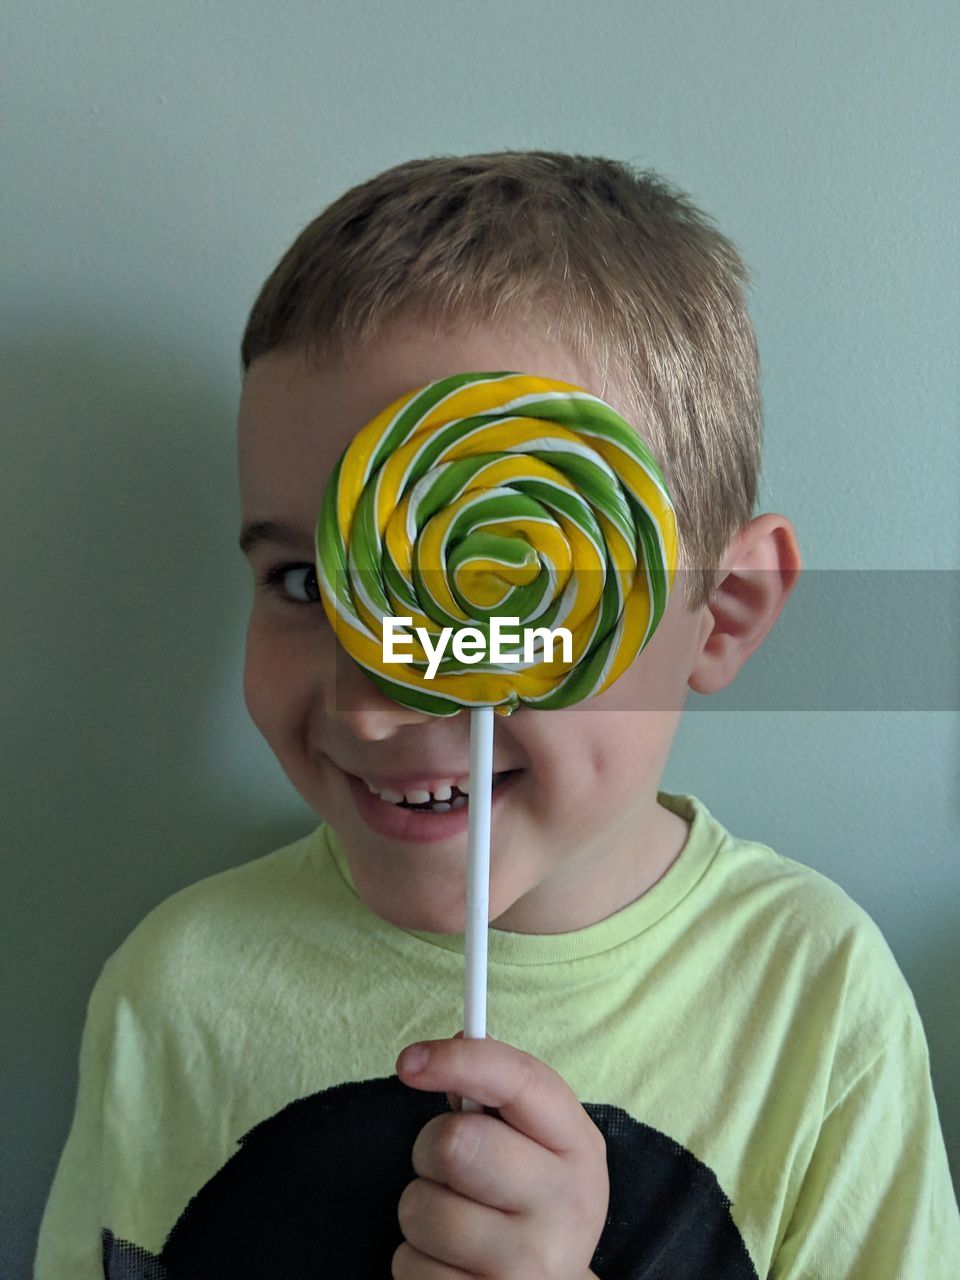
x: 614, y: 264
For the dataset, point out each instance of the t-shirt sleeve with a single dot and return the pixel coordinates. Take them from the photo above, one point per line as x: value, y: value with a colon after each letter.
x: 876, y: 1202
x: 69, y: 1246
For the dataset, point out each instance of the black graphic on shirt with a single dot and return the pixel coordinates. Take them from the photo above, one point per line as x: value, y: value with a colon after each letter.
x: 313, y: 1191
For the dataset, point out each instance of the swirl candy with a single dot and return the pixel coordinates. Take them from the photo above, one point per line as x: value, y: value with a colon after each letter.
x: 503, y: 495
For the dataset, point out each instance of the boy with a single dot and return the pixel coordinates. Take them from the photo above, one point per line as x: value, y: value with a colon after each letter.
x: 704, y: 1061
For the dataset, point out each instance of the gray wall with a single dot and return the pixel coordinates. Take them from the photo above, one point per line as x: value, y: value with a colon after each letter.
x: 158, y: 158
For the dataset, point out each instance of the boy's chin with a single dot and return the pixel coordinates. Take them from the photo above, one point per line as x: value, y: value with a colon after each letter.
x: 433, y: 909
x: 419, y: 902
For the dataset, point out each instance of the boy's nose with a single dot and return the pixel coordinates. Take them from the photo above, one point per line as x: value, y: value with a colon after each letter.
x: 368, y: 713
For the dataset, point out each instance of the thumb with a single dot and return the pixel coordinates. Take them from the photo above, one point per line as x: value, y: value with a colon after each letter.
x: 455, y: 1100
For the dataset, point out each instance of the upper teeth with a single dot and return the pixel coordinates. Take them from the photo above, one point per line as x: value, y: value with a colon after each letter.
x: 443, y: 791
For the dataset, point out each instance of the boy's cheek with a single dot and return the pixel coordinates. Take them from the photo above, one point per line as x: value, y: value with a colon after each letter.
x: 610, y: 756
x: 268, y: 676
x: 288, y: 679
x: 256, y: 695
x: 255, y: 665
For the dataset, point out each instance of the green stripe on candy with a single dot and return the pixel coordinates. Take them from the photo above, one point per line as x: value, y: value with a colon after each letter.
x: 566, y: 504
x: 520, y: 601
x: 418, y: 408
x: 595, y: 486
x: 330, y: 551
x: 652, y: 557
x: 419, y: 699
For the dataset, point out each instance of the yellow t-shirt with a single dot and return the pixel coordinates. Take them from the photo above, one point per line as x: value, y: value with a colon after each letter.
x: 741, y: 1034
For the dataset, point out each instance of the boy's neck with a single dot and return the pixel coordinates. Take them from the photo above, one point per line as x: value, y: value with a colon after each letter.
x: 632, y: 871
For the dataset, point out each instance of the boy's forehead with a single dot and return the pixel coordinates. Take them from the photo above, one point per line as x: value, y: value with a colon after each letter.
x: 294, y: 421
x: 288, y: 404
x: 296, y: 416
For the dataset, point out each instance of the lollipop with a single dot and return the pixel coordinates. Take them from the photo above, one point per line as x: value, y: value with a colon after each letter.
x: 482, y: 497
x: 497, y: 494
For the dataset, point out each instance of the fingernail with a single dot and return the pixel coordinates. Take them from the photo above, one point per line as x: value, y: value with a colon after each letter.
x: 414, y: 1058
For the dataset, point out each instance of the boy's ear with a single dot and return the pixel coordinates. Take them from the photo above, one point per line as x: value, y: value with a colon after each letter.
x: 759, y: 571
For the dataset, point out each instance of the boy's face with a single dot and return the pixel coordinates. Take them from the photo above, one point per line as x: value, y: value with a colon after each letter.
x: 577, y: 832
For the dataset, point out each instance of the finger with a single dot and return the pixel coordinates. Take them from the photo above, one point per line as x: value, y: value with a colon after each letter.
x: 409, y: 1263
x: 454, y: 1230
x: 529, y: 1095
x: 455, y: 1099
x: 487, y: 1161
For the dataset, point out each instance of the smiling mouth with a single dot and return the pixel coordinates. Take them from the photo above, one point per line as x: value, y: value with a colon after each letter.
x: 452, y: 797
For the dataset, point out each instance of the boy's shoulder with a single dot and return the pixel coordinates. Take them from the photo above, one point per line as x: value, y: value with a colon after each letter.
x: 202, y: 931
x: 781, y: 888
x: 783, y: 914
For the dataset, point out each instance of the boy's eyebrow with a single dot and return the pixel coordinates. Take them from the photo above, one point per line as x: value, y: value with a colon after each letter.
x: 278, y: 531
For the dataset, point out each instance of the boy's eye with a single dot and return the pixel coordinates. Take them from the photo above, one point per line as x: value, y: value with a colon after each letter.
x: 289, y: 586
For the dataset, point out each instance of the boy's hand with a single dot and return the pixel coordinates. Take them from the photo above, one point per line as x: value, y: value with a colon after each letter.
x: 523, y: 1195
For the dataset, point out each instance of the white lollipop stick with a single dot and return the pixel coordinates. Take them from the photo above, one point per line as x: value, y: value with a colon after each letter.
x: 478, y: 879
